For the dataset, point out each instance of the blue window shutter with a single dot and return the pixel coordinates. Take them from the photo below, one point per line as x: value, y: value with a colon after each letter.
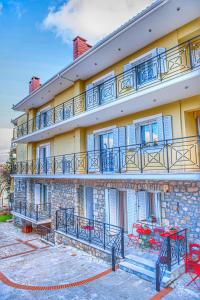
x: 90, y: 142
x: 160, y: 128
x: 167, y: 123
x: 115, y: 137
x: 107, y: 210
x: 163, y: 59
x: 131, y: 209
x: 92, y: 162
x: 122, y: 136
x: 130, y: 135
x: 89, y: 203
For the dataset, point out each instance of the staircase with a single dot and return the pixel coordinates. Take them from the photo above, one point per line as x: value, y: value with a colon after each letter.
x: 145, y: 269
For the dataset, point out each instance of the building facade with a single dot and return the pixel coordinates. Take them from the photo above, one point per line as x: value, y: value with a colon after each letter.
x: 115, y: 136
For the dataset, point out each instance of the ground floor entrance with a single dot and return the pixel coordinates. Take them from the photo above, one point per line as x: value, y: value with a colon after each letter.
x: 124, y: 207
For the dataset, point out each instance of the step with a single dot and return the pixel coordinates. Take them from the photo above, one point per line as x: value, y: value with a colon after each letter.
x: 142, y: 272
x: 141, y: 262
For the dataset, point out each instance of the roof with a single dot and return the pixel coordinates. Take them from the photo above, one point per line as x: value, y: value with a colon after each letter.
x: 99, y: 44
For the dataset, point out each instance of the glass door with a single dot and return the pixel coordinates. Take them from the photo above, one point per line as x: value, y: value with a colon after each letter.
x: 106, y: 148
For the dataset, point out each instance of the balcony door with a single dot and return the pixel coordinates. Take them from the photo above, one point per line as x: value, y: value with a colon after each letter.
x: 100, y: 91
x: 42, y: 155
x: 106, y: 150
x: 41, y: 196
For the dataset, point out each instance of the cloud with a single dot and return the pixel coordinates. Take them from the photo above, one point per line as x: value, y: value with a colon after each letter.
x: 17, y: 7
x: 91, y: 19
x: 5, y: 142
x: 1, y: 7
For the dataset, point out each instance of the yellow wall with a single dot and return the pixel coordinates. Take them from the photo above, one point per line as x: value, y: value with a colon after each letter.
x: 170, y: 40
x: 183, y: 112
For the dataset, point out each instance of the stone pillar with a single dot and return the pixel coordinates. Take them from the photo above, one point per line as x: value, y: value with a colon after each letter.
x: 99, y: 203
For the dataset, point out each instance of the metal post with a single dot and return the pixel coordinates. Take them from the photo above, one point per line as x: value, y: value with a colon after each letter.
x: 113, y: 259
x: 190, y: 55
x: 63, y: 111
x: 77, y: 227
x: 157, y: 277
x: 141, y: 165
x: 119, y: 156
x: 104, y: 236
x: 74, y: 163
x: 167, y: 155
x: 63, y: 164
x: 56, y: 219
x: 90, y: 231
x: 136, y: 78
x: 160, y: 69
x: 20, y: 207
x: 37, y: 212
x: 169, y: 254
x: 122, y: 242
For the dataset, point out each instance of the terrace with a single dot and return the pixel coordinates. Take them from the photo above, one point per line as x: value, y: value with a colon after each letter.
x: 166, y: 73
x: 161, y: 157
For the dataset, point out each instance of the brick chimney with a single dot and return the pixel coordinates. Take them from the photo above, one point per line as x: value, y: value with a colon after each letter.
x: 34, y: 84
x: 80, y: 46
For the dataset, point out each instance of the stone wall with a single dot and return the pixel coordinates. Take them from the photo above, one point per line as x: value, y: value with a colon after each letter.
x: 63, y: 239
x: 99, y: 204
x: 181, y: 208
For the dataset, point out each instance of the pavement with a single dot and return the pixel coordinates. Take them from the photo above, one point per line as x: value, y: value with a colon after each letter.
x: 28, y: 262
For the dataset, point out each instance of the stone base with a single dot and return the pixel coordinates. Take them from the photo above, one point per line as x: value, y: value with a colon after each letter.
x: 61, y: 238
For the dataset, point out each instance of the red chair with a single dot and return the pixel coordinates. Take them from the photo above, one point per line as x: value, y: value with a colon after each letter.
x: 194, y: 252
x: 133, y: 238
x: 154, y: 245
x: 193, y: 269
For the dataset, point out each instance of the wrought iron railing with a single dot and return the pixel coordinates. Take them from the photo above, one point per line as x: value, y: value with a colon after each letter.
x: 173, y: 250
x: 36, y: 212
x: 97, y: 234
x: 176, y: 155
x: 47, y: 234
x: 168, y: 64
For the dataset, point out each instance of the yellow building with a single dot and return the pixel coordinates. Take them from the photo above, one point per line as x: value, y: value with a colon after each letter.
x: 114, y: 136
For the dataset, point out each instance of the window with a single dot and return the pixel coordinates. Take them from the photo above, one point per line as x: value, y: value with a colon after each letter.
x: 149, y: 133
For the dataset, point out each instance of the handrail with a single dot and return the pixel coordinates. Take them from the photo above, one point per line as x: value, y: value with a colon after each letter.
x: 169, y: 157
x: 121, y: 84
x: 98, y: 234
x: 31, y: 210
x: 173, y: 250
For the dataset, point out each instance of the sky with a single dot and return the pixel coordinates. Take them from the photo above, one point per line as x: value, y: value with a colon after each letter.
x: 36, y: 40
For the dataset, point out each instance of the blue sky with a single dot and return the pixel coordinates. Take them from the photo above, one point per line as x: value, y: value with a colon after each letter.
x: 35, y: 40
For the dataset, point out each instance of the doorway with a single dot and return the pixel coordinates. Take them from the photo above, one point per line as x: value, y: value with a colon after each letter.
x: 106, y: 149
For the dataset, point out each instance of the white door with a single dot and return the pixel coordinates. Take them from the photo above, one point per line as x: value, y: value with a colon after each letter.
x: 37, y: 193
x: 112, y: 206
x: 131, y: 209
x: 142, y: 205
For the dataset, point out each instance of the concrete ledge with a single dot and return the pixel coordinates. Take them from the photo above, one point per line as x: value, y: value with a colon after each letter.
x: 62, y: 238
x: 144, y: 176
x: 30, y: 219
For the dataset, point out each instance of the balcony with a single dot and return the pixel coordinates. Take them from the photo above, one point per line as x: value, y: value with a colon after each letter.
x: 34, y: 213
x: 164, y: 77
x: 177, y: 156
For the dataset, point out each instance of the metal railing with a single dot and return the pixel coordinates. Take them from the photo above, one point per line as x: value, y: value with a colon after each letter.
x: 47, y: 234
x: 166, y: 65
x: 36, y: 212
x: 97, y: 234
x: 173, y: 250
x: 168, y: 156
